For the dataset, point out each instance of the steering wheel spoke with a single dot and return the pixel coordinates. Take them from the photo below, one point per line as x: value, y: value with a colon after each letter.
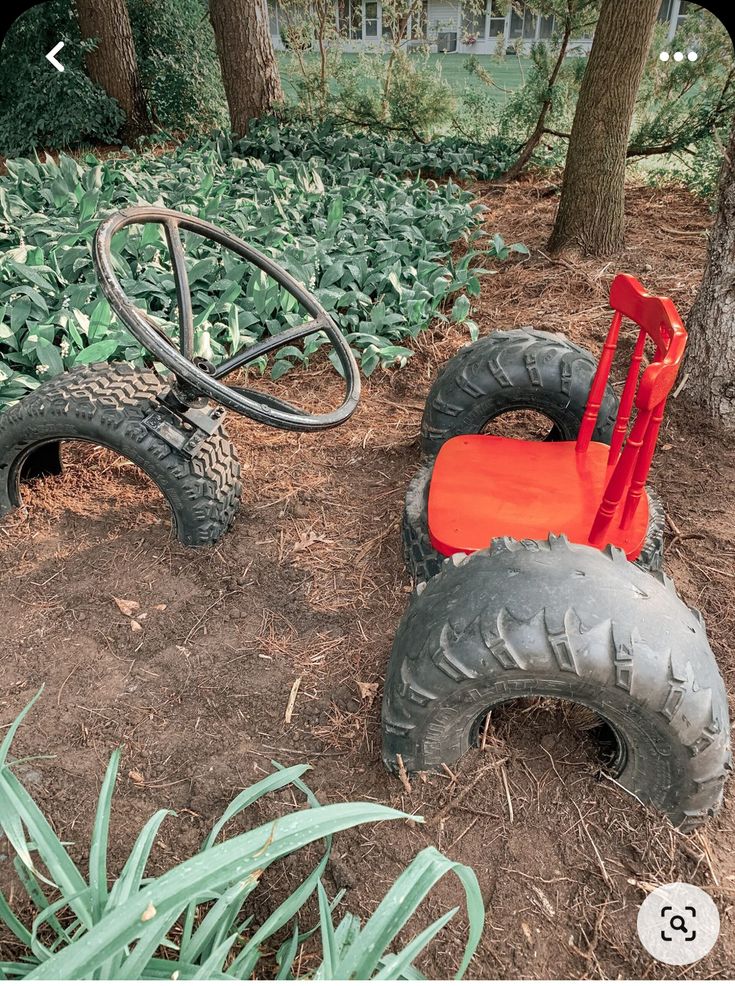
x: 261, y: 407
x: 183, y: 293
x: 245, y: 356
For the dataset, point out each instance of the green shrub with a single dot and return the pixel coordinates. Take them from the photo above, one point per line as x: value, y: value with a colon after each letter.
x: 178, y: 63
x: 480, y: 118
x: 43, y: 108
x: 377, y: 251
x: 274, y: 141
x: 686, y: 108
x: 680, y: 104
x: 401, y: 94
x: 197, y: 920
x: 699, y: 172
x: 180, y: 73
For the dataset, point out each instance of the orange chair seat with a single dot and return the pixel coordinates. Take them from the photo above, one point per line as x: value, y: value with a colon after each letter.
x: 484, y: 486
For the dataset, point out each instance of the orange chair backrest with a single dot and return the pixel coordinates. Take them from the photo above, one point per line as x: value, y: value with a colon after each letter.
x: 632, y: 448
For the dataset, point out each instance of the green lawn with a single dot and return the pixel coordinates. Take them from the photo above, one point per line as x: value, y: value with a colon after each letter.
x: 508, y: 73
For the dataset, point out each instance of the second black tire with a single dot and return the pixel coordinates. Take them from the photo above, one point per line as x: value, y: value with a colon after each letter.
x: 105, y: 405
x: 517, y: 369
x: 559, y: 620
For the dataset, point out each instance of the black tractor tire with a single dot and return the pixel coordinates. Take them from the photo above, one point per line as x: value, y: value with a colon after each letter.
x: 514, y: 370
x: 559, y: 620
x: 105, y: 405
x: 423, y: 561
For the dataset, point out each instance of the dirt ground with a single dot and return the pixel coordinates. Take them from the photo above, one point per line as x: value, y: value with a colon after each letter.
x: 310, y: 585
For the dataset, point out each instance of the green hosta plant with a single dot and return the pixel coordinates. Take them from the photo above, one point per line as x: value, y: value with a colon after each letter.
x: 274, y: 141
x: 197, y: 920
x: 375, y: 249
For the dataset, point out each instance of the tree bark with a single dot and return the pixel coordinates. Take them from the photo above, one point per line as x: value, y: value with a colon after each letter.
x: 249, y: 68
x: 710, y: 360
x: 113, y: 64
x: 592, y: 207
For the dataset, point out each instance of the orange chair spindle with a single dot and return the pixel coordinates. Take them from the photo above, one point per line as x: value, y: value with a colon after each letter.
x: 616, y: 486
x: 642, y: 466
x: 626, y: 399
x: 589, y: 419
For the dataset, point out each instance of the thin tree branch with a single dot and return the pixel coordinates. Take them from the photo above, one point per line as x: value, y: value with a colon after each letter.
x: 530, y: 146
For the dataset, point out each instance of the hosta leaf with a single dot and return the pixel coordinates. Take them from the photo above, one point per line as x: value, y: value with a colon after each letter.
x: 98, y: 352
x: 50, y: 356
x: 460, y: 308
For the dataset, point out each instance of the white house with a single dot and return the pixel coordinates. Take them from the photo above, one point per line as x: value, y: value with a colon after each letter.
x: 445, y: 26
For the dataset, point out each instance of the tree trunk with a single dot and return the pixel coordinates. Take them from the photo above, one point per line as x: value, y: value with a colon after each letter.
x: 249, y: 68
x: 592, y: 207
x: 113, y: 64
x: 711, y: 352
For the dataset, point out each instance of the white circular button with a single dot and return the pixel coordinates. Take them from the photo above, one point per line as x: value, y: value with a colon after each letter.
x: 692, y: 56
x: 664, y: 56
x: 678, y: 56
x: 678, y: 923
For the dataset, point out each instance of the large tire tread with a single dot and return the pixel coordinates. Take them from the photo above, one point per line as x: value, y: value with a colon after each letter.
x: 550, y: 618
x: 105, y: 404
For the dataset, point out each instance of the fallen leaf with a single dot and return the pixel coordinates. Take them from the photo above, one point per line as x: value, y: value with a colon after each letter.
x: 665, y: 448
x: 306, y: 541
x: 148, y: 913
x: 127, y: 606
x: 136, y: 777
x: 135, y: 626
x: 160, y: 607
x: 368, y: 691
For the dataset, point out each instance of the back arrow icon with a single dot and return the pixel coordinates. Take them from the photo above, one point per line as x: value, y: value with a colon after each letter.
x: 55, y: 51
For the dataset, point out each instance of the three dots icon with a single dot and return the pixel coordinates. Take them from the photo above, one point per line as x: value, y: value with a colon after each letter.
x: 679, y: 56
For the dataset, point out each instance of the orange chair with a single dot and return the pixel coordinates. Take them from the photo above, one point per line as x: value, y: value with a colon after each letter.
x: 484, y: 486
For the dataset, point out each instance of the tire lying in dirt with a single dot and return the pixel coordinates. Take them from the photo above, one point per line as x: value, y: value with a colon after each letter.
x: 105, y: 405
x: 554, y: 619
x: 423, y: 561
x: 513, y: 370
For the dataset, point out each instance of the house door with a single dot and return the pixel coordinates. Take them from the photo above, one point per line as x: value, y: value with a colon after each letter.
x: 371, y: 20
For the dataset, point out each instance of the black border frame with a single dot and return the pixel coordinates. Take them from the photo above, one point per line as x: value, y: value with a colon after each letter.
x: 12, y: 9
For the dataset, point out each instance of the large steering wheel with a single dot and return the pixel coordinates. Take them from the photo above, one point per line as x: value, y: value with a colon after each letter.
x: 197, y: 377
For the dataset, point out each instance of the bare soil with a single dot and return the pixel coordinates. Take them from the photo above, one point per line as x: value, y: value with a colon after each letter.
x: 310, y: 585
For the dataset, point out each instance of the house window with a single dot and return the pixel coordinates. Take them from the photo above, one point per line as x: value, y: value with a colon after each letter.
x: 474, y: 22
x: 664, y: 13
x: 546, y: 29
x: 371, y: 19
x: 496, y: 23
x: 446, y: 41
x: 685, y: 8
x: 419, y: 22
x: 349, y: 19
x: 523, y: 22
x: 516, y: 23
x: 530, y: 20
